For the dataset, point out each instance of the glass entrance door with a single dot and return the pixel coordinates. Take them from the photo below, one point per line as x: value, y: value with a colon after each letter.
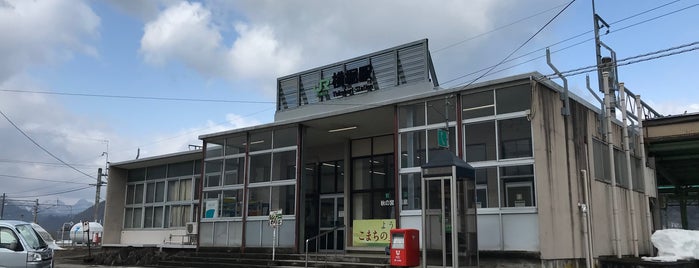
x: 332, y: 214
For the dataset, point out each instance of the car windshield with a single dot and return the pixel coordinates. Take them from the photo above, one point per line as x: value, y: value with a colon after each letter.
x: 30, y: 236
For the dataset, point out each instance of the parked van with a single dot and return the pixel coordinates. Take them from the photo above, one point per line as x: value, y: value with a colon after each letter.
x: 21, y: 246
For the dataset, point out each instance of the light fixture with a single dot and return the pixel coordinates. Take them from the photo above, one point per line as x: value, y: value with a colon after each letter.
x: 342, y: 129
x: 254, y: 142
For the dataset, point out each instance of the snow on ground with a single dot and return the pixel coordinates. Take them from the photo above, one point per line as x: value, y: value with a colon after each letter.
x: 675, y: 244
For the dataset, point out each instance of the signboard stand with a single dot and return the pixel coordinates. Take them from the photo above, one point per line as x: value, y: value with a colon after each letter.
x: 275, y: 220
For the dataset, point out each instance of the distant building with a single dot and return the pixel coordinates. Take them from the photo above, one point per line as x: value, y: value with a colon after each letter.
x: 346, y: 147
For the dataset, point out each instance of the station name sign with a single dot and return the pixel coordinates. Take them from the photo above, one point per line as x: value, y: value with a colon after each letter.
x: 346, y: 83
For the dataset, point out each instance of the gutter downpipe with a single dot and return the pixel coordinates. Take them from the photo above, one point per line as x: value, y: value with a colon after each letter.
x: 649, y: 217
x: 631, y: 196
x: 610, y: 146
x: 584, y: 209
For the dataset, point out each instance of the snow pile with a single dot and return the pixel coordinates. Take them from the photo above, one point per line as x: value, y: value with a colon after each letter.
x: 675, y: 244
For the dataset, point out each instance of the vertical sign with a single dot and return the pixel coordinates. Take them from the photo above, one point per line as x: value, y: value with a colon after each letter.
x: 443, y: 138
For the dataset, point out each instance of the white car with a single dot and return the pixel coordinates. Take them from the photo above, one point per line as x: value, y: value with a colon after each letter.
x: 21, y: 246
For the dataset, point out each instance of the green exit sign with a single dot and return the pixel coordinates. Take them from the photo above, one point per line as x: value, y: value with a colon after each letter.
x: 443, y: 138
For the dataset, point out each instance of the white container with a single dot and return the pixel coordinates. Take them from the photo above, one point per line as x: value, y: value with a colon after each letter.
x: 79, y: 236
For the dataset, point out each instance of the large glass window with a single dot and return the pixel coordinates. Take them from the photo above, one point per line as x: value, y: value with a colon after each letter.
x: 234, y: 171
x: 373, y: 187
x: 412, y: 115
x: 515, y: 138
x: 517, y: 184
x: 213, y: 172
x: 477, y: 105
x: 513, y: 99
x: 232, y: 203
x: 413, y: 146
x: 487, y: 188
x: 411, y: 191
x: 148, y: 202
x: 260, y: 167
x: 258, y: 201
x: 479, y: 141
x: 284, y: 165
x: 332, y: 177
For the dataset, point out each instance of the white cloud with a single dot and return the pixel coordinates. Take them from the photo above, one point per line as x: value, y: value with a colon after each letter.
x: 180, y: 141
x: 43, y: 32
x: 674, y: 108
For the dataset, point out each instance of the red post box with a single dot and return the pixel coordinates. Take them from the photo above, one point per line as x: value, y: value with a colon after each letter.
x: 405, y: 247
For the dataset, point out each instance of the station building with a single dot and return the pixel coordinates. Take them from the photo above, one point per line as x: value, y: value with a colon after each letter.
x: 343, y: 156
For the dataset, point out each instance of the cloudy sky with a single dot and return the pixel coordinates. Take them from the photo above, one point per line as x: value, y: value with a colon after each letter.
x: 79, y: 77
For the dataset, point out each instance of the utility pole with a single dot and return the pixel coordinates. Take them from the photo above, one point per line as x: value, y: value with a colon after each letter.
x: 36, y: 210
x: 97, y: 194
x: 2, y: 207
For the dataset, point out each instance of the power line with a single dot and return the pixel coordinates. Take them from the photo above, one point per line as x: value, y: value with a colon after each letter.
x: 522, y: 45
x: 13, y: 161
x: 49, y: 194
x: 135, y: 97
x: 41, y: 147
x: 38, y: 179
x: 629, y: 61
x: 496, y: 29
x: 578, y: 43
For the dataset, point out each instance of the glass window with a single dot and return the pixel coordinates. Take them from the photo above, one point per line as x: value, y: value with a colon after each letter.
x: 180, y: 169
x: 382, y: 172
x: 479, y: 140
x: 179, y: 215
x: 214, y: 149
x: 285, y: 137
x: 328, y: 177
x: 138, y: 174
x: 382, y: 145
x: 128, y: 218
x: 160, y: 191
x: 234, y: 171
x: 284, y: 165
x: 148, y: 218
x: 433, y: 141
x: 156, y: 172
x: 173, y: 190
x: 515, y: 138
x: 260, y: 167
x: 158, y: 217
x: 197, y: 181
x: 361, y: 174
x: 137, y: 217
x: 517, y: 186
x: 601, y: 161
x: 213, y: 172
x: 150, y: 192
x: 138, y: 194
x: 235, y: 145
x: 260, y: 141
x: 487, y: 188
x: 185, y: 189
x: 232, y: 203
x: 477, y: 105
x: 513, y: 99
x: 439, y: 110
x: 283, y: 198
x: 411, y: 188
x: 130, y: 194
x: 258, y: 203
x: 621, y: 172
x: 413, y: 148
x: 411, y: 115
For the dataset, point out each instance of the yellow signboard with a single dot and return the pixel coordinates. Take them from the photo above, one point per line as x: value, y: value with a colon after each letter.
x: 372, y: 233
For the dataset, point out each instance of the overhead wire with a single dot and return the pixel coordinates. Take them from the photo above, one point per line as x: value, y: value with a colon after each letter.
x: 42, y: 147
x: 578, y: 43
x: 522, y: 45
x: 50, y: 194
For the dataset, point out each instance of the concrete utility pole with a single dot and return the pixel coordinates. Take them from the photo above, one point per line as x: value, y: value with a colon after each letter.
x: 2, y: 207
x: 36, y: 210
x: 97, y: 194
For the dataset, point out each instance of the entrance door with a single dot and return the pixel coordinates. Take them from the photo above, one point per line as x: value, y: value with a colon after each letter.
x: 332, y: 214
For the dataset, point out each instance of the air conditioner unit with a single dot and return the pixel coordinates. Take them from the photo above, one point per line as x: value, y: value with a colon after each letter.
x: 191, y: 228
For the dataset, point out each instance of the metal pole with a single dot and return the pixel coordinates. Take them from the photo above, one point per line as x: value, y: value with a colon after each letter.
x: 627, y: 153
x: 642, y: 174
x: 610, y: 147
x: 36, y: 210
x: 97, y: 194
x: 584, y: 210
x: 2, y: 207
